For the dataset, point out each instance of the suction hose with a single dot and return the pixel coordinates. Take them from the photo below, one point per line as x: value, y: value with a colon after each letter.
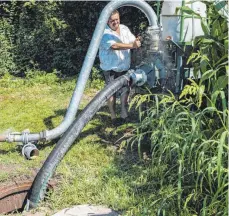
x: 41, y: 181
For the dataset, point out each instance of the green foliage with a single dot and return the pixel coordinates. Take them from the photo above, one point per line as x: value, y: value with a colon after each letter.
x: 53, y: 35
x: 192, y: 146
x: 33, y: 77
x: 37, y: 38
x: 96, y: 79
x: 188, y: 136
x: 210, y: 59
x: 41, y: 77
x: 9, y: 81
x: 6, y: 55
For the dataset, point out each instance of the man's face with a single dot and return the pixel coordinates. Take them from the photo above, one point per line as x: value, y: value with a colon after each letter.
x: 114, y: 21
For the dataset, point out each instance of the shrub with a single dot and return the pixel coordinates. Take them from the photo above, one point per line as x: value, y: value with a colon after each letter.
x: 6, y: 55
x: 41, y: 77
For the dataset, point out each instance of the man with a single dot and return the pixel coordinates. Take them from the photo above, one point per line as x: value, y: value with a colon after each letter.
x: 114, y: 54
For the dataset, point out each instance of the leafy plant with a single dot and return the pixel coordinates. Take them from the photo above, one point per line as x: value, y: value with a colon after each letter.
x: 192, y: 146
x: 41, y: 77
x: 191, y: 143
x: 6, y: 55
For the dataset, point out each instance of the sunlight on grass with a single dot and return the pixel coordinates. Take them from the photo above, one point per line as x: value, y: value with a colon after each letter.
x: 92, y: 171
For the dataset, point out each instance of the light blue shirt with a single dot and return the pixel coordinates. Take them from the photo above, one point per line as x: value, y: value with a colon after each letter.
x: 116, y: 60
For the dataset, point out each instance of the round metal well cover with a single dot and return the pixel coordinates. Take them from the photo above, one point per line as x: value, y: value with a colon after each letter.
x: 87, y: 210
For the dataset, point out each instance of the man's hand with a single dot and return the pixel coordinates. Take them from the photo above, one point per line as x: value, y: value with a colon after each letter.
x: 137, y: 43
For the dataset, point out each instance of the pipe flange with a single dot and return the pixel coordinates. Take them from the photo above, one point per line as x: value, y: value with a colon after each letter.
x: 139, y: 77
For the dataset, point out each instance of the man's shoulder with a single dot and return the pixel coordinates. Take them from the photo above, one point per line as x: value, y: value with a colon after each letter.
x: 123, y: 27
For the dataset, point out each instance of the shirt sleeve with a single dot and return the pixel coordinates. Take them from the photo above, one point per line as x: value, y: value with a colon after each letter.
x: 107, y: 41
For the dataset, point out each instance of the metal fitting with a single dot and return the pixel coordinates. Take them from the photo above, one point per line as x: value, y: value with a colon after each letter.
x: 30, y: 151
x: 139, y: 77
x: 153, y: 38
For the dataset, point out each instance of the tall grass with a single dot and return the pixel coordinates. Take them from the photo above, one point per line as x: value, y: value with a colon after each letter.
x: 188, y: 135
x: 192, y: 147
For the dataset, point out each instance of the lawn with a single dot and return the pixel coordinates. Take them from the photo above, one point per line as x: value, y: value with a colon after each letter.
x: 103, y: 168
x: 98, y: 169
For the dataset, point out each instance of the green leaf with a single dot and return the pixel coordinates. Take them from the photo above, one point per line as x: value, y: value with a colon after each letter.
x: 201, y: 93
x: 214, y: 96
x: 207, y: 75
x: 216, y: 29
x: 220, y: 83
x: 203, y: 65
x: 224, y: 105
x: 219, y: 156
x: 207, y: 41
x: 205, y: 27
x: 187, y: 10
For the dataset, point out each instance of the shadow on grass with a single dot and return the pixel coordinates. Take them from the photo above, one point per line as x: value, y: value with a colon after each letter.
x: 98, y: 124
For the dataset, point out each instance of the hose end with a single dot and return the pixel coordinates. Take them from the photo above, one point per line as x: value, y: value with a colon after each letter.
x: 30, y: 205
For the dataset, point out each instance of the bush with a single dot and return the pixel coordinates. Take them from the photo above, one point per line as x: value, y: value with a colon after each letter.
x: 6, y: 54
x: 41, y: 77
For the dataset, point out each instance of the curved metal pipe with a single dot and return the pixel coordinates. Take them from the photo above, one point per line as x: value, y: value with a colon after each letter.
x: 88, y: 63
x: 90, y: 57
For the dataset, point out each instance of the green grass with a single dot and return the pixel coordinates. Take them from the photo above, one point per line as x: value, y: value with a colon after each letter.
x: 94, y: 171
x: 193, y: 150
x: 181, y: 169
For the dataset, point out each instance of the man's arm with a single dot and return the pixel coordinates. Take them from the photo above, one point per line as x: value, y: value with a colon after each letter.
x: 122, y: 46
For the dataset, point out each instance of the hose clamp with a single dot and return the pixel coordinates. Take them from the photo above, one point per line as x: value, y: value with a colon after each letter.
x: 43, y: 136
x: 25, y: 136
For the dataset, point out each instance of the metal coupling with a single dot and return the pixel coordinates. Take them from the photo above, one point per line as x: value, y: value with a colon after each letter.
x: 30, y: 151
x: 11, y: 136
x: 139, y: 77
x: 152, y: 39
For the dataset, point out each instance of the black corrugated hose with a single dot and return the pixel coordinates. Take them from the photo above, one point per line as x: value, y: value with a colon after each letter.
x: 41, y: 181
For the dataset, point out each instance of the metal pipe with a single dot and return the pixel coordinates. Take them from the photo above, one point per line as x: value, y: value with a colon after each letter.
x: 179, y: 67
x: 182, y: 23
x: 193, y: 23
x: 179, y: 57
x: 158, y: 10
x: 90, y: 57
x: 87, y: 65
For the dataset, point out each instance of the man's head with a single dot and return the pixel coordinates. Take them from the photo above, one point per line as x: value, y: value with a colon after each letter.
x: 114, y: 20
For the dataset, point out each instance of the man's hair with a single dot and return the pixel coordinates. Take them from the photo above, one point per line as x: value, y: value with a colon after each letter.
x: 114, y: 12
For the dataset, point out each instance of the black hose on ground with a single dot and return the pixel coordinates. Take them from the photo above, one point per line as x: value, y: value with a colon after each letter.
x: 41, y: 181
